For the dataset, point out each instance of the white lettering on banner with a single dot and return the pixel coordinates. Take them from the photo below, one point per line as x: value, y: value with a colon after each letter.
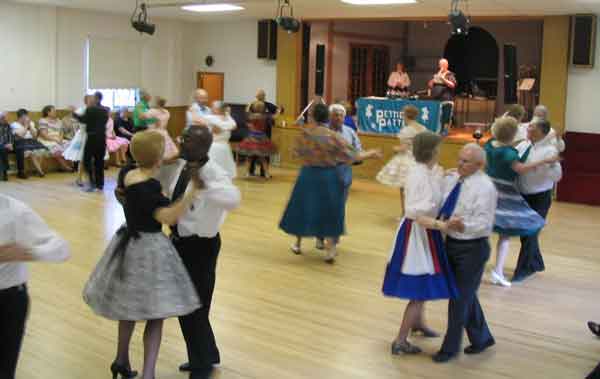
x: 425, y: 114
x: 388, y: 118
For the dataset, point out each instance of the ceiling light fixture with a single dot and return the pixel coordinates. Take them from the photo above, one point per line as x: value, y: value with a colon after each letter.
x: 379, y: 2
x: 212, y: 8
x: 459, y: 21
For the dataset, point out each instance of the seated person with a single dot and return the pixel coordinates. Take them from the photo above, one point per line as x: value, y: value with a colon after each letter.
x: 25, y: 135
x: 124, y: 124
x: 7, y: 145
x: 51, y: 135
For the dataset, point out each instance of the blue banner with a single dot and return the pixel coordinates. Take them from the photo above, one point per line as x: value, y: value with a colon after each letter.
x: 385, y: 116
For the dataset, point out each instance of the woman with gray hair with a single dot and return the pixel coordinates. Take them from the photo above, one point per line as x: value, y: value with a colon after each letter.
x: 541, y: 113
x: 418, y: 269
x: 221, y: 124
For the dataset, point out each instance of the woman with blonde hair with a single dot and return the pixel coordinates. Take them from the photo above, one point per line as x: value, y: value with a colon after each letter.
x: 140, y: 276
x: 394, y: 173
x: 514, y: 217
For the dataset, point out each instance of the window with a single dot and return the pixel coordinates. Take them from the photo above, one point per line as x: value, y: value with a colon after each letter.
x: 116, y: 98
x: 369, y: 69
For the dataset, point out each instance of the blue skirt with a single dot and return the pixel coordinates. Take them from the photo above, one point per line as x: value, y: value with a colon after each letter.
x: 316, y: 207
x: 514, y: 217
x: 438, y: 285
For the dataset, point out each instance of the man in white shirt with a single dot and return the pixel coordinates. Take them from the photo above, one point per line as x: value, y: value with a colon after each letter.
x: 196, y: 238
x: 468, y: 250
x: 536, y: 187
x: 24, y: 237
x: 199, y: 108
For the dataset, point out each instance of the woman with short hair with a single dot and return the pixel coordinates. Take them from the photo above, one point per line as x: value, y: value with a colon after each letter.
x: 140, y: 276
x: 25, y: 138
x: 257, y: 143
x: 221, y: 125
x: 51, y: 135
x: 418, y: 269
x: 514, y: 217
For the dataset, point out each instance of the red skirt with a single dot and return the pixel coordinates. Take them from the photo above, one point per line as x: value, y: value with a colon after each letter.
x: 256, y: 144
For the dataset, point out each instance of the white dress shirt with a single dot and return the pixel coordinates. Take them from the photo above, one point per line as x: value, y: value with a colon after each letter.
x: 198, y: 111
x: 209, y: 210
x: 20, y: 225
x: 559, y: 143
x: 542, y: 178
x: 476, y: 205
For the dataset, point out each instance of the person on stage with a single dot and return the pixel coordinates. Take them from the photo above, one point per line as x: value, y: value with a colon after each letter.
x: 514, y: 217
x: 398, y: 82
x: 468, y: 250
x: 198, y: 242
x: 394, y: 173
x: 442, y: 88
x: 24, y: 237
x: 141, y: 277
x: 536, y: 187
x: 221, y: 125
x: 418, y: 269
x: 317, y: 204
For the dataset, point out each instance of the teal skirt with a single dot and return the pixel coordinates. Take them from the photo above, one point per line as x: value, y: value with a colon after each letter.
x: 317, y: 205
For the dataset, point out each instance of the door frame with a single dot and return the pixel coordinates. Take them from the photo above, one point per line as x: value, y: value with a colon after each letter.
x: 199, y: 78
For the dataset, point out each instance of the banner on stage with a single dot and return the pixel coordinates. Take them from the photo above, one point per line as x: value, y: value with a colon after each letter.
x: 385, y: 116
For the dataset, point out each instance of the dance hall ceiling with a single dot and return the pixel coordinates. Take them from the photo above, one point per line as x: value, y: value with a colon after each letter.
x: 335, y: 9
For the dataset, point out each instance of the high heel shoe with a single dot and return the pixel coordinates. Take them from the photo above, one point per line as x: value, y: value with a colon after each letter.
x: 123, y: 370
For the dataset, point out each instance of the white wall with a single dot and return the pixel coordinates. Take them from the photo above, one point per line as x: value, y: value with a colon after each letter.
x: 583, y: 112
x: 43, y: 58
x: 233, y: 47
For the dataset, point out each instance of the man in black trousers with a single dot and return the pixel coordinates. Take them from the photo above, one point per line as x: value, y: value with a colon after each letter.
x: 95, y: 119
x: 468, y: 250
x: 197, y: 240
x: 536, y: 187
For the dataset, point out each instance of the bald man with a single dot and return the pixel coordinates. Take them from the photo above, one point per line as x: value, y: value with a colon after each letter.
x: 468, y: 250
x: 197, y: 240
x: 198, y: 109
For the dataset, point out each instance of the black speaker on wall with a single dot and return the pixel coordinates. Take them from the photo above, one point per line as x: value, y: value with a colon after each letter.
x: 267, y: 39
x: 583, y: 40
x: 510, y: 74
x: 320, y: 70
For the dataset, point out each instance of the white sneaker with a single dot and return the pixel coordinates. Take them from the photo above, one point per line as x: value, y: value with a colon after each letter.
x: 296, y: 249
x: 498, y: 279
x: 330, y: 256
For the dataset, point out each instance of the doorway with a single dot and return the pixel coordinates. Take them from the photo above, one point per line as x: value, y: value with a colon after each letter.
x: 213, y: 83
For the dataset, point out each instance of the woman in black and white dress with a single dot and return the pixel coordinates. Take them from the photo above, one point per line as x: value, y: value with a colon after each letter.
x: 141, y: 277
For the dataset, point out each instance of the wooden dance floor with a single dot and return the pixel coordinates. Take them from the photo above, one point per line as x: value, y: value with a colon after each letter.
x: 281, y: 316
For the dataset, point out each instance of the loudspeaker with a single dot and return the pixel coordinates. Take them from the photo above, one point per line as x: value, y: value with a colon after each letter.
x: 583, y: 40
x: 320, y: 70
x: 304, y: 78
x: 510, y: 74
x: 267, y: 39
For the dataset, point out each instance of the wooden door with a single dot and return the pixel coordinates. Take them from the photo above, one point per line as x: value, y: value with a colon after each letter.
x: 213, y: 83
x: 368, y: 71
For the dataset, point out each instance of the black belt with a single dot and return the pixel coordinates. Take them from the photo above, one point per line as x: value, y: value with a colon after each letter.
x: 475, y: 240
x: 17, y: 288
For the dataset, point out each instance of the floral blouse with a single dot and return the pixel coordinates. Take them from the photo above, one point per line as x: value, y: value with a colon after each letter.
x: 322, y: 147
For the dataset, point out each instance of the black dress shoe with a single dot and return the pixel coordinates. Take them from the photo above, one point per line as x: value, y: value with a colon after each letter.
x: 185, y: 367
x: 204, y: 373
x: 442, y: 357
x: 479, y: 349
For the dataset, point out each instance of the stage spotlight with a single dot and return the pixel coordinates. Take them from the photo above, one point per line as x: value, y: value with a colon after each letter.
x: 460, y: 23
x: 141, y: 23
x: 288, y: 23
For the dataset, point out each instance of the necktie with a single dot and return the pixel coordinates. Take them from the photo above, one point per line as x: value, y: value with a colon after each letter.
x: 451, y: 201
x: 179, y: 190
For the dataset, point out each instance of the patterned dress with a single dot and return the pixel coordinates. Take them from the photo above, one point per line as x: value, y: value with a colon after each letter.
x: 317, y: 205
x: 257, y: 143
x: 53, y: 129
x: 141, y: 276
x: 514, y: 217
x: 394, y: 173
